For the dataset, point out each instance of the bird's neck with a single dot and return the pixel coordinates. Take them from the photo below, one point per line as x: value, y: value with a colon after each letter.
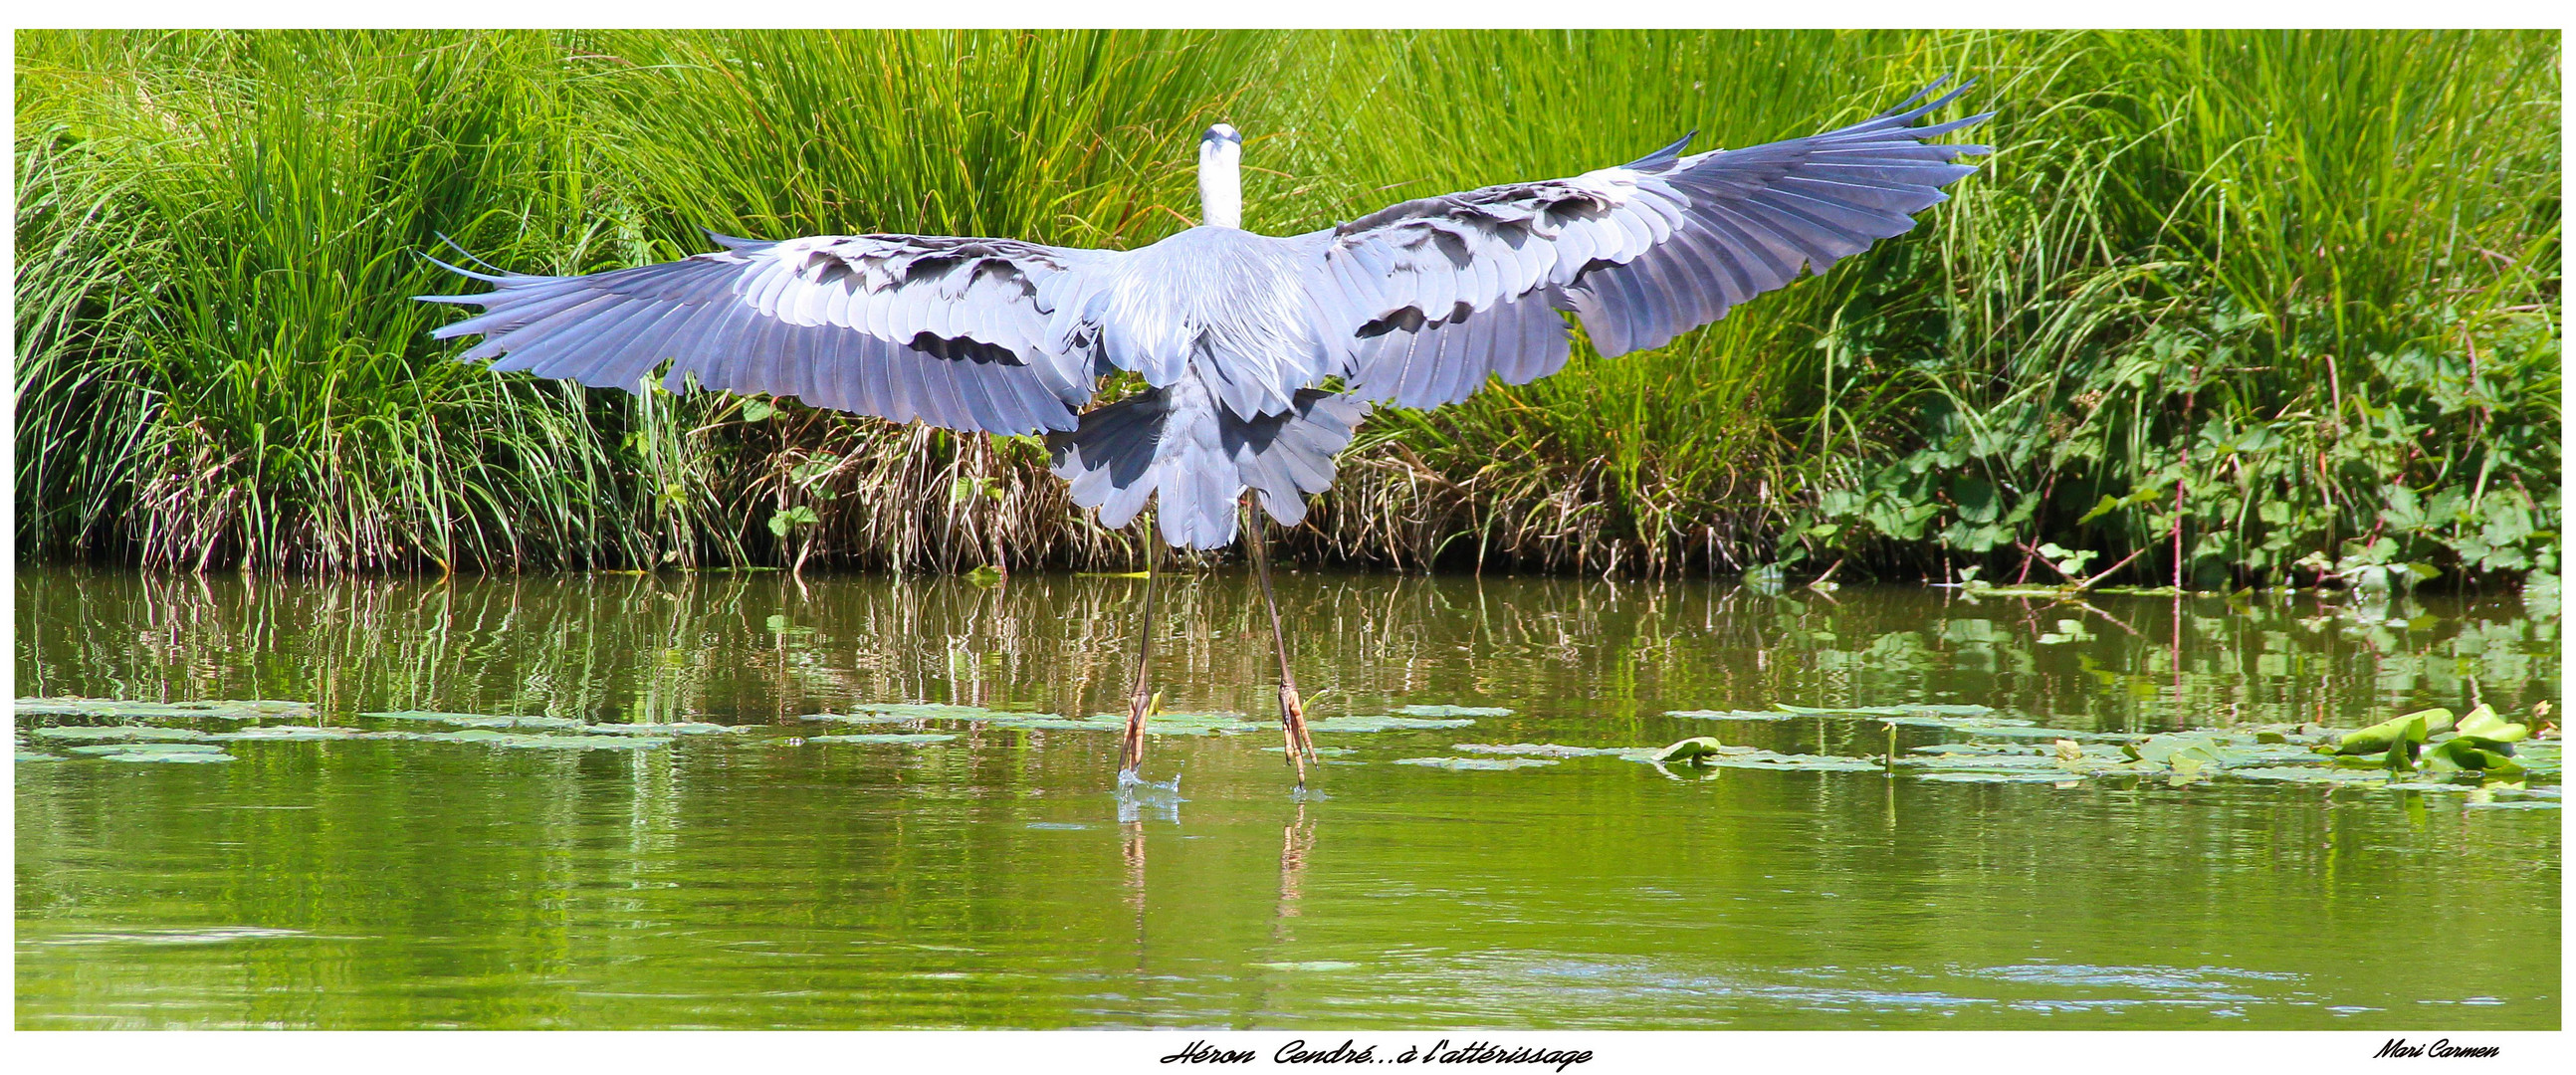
x: 1221, y: 188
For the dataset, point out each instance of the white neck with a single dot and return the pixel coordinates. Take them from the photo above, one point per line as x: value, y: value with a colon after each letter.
x: 1220, y: 185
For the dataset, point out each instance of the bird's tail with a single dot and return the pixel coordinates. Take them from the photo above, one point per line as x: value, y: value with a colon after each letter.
x: 1178, y: 442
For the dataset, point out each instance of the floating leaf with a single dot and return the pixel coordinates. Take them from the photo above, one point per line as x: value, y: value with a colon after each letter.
x: 686, y: 727
x: 25, y: 754
x: 517, y: 741
x: 1308, y: 965
x: 985, y: 577
x: 2311, y: 774
x: 884, y: 737
x: 1320, y: 752
x: 1730, y: 714
x: 1975, y: 777
x: 2467, y: 753
x: 476, y: 720
x: 1453, y: 711
x: 1739, y: 758
x: 2002, y: 749
x: 1458, y: 764
x: 290, y: 733
x: 123, y: 733
x: 2410, y: 729
x: 921, y: 711
x: 1927, y: 709
x: 254, y: 709
x: 148, y: 748
x: 1385, y: 724
x: 1688, y: 750
x: 2482, y: 724
x: 183, y: 753
x: 1552, y: 750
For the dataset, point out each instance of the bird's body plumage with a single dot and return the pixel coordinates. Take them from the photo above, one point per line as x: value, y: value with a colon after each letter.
x: 1233, y: 332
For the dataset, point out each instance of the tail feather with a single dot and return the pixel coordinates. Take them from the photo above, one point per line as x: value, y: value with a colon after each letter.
x: 1178, y: 445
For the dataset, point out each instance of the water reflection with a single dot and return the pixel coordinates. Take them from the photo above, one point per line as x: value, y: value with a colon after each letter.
x: 1002, y: 879
x: 756, y: 648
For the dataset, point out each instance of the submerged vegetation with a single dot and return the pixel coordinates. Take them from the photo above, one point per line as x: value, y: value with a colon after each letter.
x: 2283, y: 304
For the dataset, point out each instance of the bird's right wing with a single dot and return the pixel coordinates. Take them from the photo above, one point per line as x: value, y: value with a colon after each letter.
x: 1438, y: 293
x: 951, y: 332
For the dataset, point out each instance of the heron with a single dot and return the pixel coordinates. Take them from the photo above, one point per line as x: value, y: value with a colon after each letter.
x: 1260, y: 355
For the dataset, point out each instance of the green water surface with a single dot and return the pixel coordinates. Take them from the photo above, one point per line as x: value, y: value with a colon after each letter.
x: 760, y: 877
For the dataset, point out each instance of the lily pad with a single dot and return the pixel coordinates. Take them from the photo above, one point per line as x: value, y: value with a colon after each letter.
x: 686, y: 727
x: 32, y: 755
x: 477, y: 720
x: 1155, y: 724
x: 1464, y: 764
x: 183, y: 753
x: 1307, y: 965
x: 1693, y: 750
x: 1814, y: 763
x: 2482, y: 724
x: 516, y: 741
x: 288, y: 733
x: 125, y: 733
x: 1982, y: 749
x: 860, y: 718
x: 889, y: 737
x: 1102, y: 723
x: 1997, y: 763
x: 2311, y: 774
x: 1925, y: 709
x: 1386, y: 724
x: 1320, y: 752
x: 1454, y: 711
x: 1547, y: 750
x: 251, y: 709
x: 2409, y: 729
x: 2027, y: 730
x: 1973, y: 777
x: 924, y: 710
x: 1731, y: 714
x: 1979, y: 725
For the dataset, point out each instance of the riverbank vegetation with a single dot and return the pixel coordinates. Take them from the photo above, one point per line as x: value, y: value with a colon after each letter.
x: 2235, y: 307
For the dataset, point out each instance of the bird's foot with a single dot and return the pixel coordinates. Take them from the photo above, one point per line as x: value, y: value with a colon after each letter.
x: 1292, y: 721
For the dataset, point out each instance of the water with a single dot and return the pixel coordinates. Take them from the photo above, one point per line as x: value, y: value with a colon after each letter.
x: 754, y: 879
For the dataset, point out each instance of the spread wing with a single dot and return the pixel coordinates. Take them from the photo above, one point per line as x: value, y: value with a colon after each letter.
x: 1445, y: 291
x: 952, y: 332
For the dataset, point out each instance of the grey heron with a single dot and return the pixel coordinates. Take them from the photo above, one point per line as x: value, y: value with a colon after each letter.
x: 1260, y: 354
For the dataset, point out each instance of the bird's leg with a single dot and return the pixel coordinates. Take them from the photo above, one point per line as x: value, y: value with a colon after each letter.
x: 1132, y: 754
x: 1292, y: 713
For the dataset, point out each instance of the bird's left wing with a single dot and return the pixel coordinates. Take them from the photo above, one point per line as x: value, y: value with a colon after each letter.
x: 948, y: 331
x: 1436, y: 294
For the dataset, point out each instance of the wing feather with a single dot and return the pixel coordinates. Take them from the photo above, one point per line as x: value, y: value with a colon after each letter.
x: 1638, y: 253
x: 879, y: 324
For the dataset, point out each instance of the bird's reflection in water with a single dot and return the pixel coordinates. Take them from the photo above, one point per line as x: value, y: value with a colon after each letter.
x: 1295, y: 844
x: 1138, y: 799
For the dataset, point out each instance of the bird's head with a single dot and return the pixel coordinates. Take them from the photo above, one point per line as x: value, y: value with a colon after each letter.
x: 1220, y: 177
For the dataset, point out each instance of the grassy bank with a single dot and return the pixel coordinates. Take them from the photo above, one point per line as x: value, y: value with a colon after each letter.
x: 2307, y: 282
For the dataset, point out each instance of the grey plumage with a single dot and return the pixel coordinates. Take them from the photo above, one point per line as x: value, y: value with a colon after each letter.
x: 1234, y: 333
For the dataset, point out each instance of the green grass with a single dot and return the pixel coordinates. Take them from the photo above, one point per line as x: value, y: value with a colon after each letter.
x: 2310, y: 279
